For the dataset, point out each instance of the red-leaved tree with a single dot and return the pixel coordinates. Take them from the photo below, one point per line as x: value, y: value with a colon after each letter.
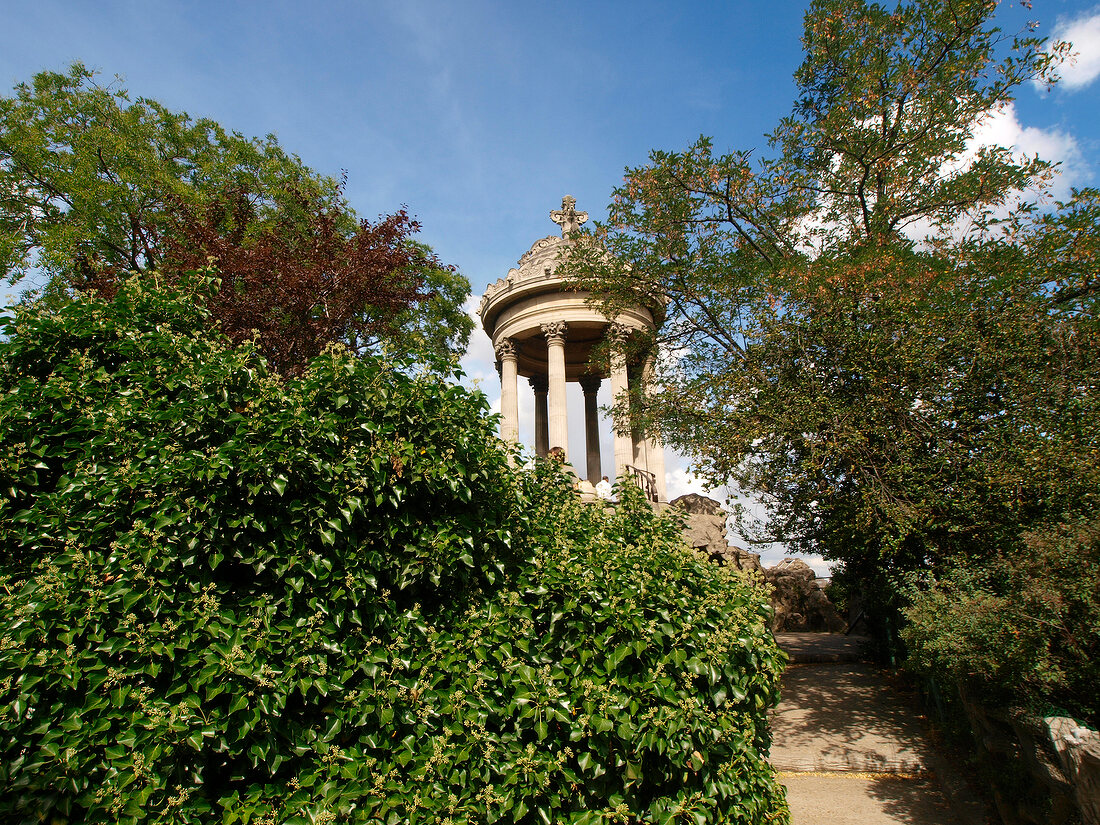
x: 298, y: 282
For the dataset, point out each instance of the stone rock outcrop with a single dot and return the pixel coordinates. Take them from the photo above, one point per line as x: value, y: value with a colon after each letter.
x: 799, y: 602
x: 705, y: 530
x: 1078, y: 750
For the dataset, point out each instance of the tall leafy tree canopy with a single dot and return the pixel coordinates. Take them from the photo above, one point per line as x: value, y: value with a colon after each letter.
x: 95, y: 186
x: 872, y: 327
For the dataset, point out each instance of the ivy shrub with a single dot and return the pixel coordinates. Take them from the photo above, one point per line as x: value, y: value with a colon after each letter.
x: 621, y: 678
x: 234, y: 597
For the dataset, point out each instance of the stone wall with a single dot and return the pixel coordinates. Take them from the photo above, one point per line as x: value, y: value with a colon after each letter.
x: 1045, y: 771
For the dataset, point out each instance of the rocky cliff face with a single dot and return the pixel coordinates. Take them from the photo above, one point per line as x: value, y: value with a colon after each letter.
x: 798, y: 600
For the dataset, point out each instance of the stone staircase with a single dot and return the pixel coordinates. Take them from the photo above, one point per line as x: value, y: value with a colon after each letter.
x: 850, y: 748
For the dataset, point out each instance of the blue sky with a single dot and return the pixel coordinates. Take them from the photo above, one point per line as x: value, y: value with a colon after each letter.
x: 479, y: 116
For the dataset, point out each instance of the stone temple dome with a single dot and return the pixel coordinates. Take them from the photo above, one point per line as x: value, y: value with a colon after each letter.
x: 545, y: 331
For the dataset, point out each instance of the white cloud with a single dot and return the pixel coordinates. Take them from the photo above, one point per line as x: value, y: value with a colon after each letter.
x: 819, y: 565
x: 1083, y: 65
x: 679, y: 480
x: 998, y: 127
x: 479, y: 362
x: 1002, y: 127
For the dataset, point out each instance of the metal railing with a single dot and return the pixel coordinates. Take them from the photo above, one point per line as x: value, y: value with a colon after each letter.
x: 646, y: 481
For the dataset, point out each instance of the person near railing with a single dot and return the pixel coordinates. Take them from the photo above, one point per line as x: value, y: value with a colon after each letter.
x: 603, y: 489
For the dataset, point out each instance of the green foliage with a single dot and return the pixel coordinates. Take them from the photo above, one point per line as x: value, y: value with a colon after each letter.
x: 241, y: 598
x: 888, y: 99
x: 436, y: 328
x: 89, y: 177
x: 1021, y: 630
x: 621, y: 679
x: 95, y: 186
x: 872, y: 332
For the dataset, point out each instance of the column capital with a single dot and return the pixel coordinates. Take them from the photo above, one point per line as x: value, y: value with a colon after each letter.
x: 555, y: 332
x: 506, y: 349
x: 618, y: 334
x: 539, y: 383
x: 590, y: 383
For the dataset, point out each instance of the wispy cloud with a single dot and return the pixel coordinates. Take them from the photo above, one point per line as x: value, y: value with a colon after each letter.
x: 1083, y: 65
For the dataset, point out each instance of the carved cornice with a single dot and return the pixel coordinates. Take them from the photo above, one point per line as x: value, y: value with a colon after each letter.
x: 539, y: 249
x: 555, y: 332
x: 538, y: 262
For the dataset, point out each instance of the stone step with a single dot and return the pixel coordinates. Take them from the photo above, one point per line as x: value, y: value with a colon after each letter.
x: 807, y: 648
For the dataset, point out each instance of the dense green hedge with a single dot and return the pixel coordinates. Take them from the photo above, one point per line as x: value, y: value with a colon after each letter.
x: 621, y: 677
x: 1021, y: 630
x: 234, y: 598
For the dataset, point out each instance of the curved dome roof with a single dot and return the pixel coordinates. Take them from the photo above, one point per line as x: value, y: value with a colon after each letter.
x: 537, y: 272
x: 536, y: 291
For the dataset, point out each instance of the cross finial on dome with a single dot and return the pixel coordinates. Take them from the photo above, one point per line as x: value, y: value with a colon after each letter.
x: 568, y: 218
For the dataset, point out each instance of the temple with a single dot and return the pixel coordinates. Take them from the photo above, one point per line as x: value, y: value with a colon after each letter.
x: 545, y: 331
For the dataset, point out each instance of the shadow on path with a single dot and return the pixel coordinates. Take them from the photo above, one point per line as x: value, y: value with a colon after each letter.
x: 850, y: 747
x: 845, y: 717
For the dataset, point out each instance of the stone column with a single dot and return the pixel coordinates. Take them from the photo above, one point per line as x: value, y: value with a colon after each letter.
x: 542, y: 431
x: 620, y: 394
x: 509, y: 391
x: 637, y: 438
x: 590, y: 384
x: 555, y: 333
x: 655, y: 451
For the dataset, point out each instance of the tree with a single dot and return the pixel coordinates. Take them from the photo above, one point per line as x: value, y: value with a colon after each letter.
x: 373, y: 288
x: 1022, y: 630
x: 871, y: 328
x: 94, y: 187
